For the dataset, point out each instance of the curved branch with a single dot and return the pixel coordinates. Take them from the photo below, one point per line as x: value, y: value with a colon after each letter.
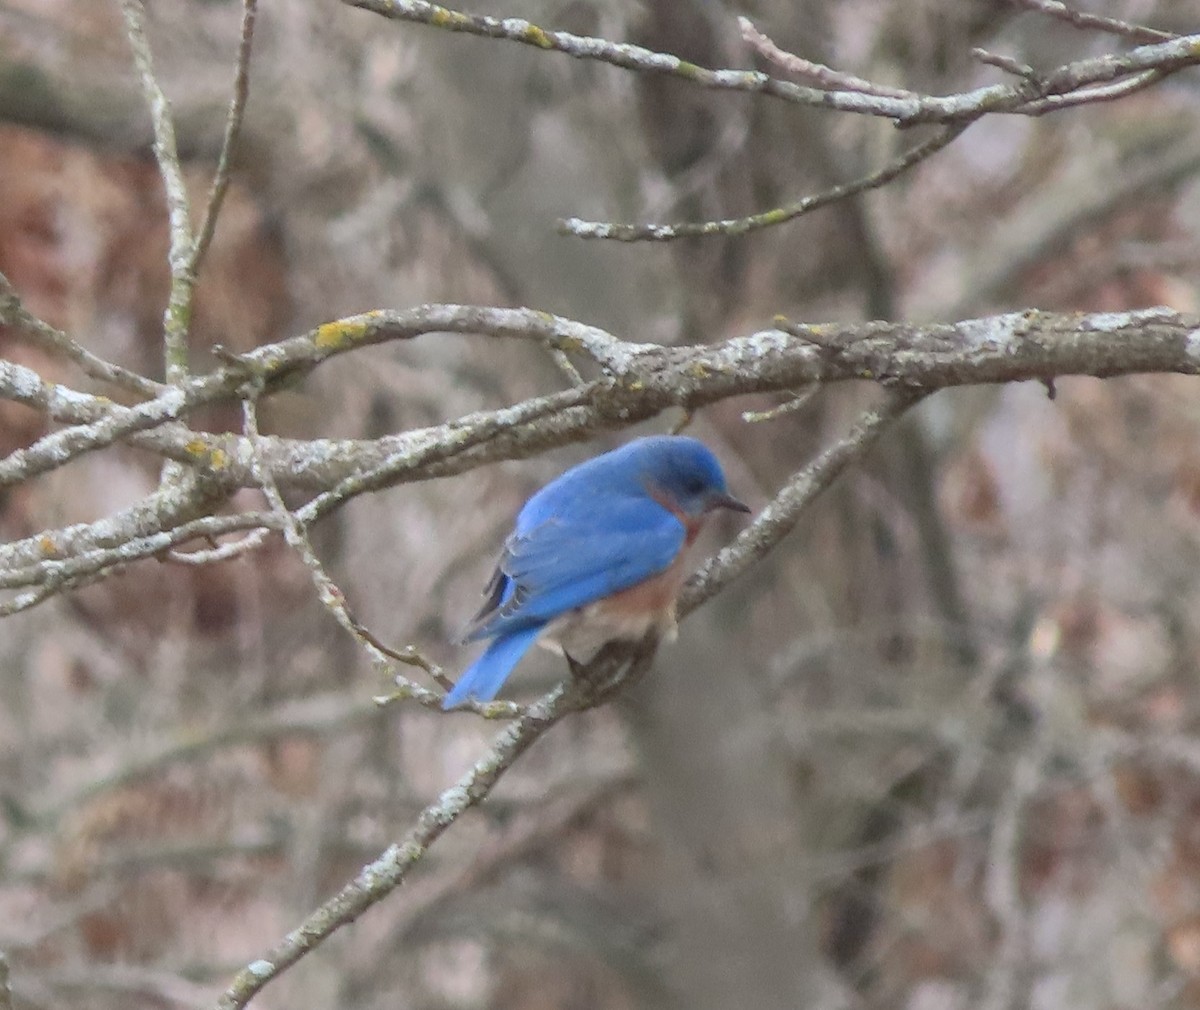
x: 1005, y: 348
x: 617, y: 665
x: 1168, y: 56
x: 767, y: 218
x: 379, y: 878
x: 644, y: 378
x: 41, y: 334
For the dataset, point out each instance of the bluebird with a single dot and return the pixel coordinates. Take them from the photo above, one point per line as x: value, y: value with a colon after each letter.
x: 596, y: 555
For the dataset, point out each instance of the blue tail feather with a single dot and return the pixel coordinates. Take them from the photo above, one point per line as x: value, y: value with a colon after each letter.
x: 483, y: 679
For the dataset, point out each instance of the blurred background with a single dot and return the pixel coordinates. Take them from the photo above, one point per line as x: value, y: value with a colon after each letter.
x: 937, y: 753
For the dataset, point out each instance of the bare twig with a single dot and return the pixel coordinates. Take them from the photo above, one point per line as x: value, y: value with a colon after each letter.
x: 407, y: 690
x: 328, y: 592
x: 1011, y: 347
x: 740, y: 225
x: 252, y: 541
x: 1095, y: 95
x: 179, y: 257
x: 233, y: 123
x: 1167, y: 56
x: 779, y: 518
x: 789, y: 406
x: 1005, y: 63
x: 378, y: 879
x: 563, y: 361
x: 1086, y: 81
x: 825, y: 77
x: 1081, y: 19
x: 13, y: 313
x: 623, y: 664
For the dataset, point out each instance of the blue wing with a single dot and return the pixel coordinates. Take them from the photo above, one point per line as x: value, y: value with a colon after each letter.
x: 572, y: 551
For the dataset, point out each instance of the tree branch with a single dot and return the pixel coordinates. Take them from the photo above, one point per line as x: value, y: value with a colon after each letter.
x: 649, y: 379
x: 52, y: 340
x: 768, y: 218
x: 177, y: 317
x: 779, y: 518
x: 233, y: 125
x: 1081, y: 19
x: 644, y: 380
x: 1167, y: 56
x: 379, y: 878
x: 615, y: 667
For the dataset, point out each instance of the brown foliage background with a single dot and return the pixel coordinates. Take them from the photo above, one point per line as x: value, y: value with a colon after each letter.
x: 938, y: 753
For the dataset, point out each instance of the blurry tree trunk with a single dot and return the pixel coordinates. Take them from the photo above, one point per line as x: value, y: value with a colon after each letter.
x: 734, y: 818
x: 734, y: 886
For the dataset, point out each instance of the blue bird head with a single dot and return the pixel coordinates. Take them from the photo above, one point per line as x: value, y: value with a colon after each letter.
x: 684, y: 474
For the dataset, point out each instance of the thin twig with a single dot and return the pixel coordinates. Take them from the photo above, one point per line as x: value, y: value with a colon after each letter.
x: 328, y: 591
x: 779, y: 518
x: 252, y: 541
x: 1094, y: 96
x: 825, y: 77
x: 179, y: 256
x: 13, y: 313
x: 1005, y: 63
x: 1169, y: 55
x: 379, y: 878
x: 1081, y: 19
x: 617, y: 665
x: 233, y: 123
x: 789, y: 406
x: 566, y: 366
x: 739, y: 226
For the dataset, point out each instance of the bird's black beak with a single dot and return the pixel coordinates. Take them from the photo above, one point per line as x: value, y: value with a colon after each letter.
x: 721, y: 500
